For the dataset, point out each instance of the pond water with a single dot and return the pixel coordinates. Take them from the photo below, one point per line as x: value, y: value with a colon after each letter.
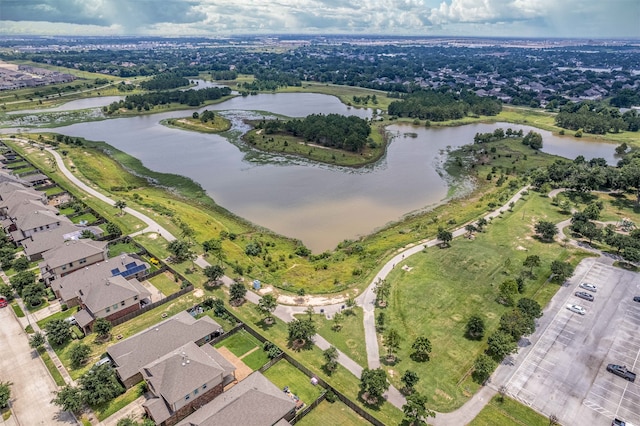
x: 97, y: 102
x: 320, y: 205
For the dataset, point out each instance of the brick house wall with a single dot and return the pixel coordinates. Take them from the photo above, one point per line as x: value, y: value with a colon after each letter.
x: 188, y: 409
x: 123, y: 312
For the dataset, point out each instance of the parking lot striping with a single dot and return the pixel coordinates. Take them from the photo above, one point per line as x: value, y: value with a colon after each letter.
x: 597, y: 408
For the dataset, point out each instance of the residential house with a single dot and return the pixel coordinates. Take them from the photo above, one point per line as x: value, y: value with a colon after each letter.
x: 184, y: 380
x: 25, y: 225
x: 11, y: 204
x: 40, y: 242
x: 255, y: 401
x: 71, y: 256
x: 132, y: 354
x: 67, y: 285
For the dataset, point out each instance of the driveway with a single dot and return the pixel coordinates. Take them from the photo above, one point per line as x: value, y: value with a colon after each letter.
x: 33, y: 387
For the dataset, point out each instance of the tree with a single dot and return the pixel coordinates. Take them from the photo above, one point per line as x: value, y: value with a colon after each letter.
x: 180, y: 249
x: 5, y: 393
x: 373, y: 383
x: 300, y: 332
x: 186, y: 231
x: 517, y: 324
x: 37, y: 340
x: 483, y: 366
x: 532, y: 261
x: 21, y: 264
x: 6, y: 291
x: 475, y: 327
x: 533, y: 139
x: 380, y: 321
x: 508, y: 289
x: 266, y: 305
x: 331, y: 357
x: 421, y: 349
x: 337, y: 321
x: 630, y: 176
x: 500, y: 344
x: 415, y: 409
x: 392, y: 343
x: 58, y: 332
x: 444, y: 236
x: 561, y: 270
x: 530, y: 307
x: 237, y: 291
x: 382, y: 290
x: 546, y: 230
x: 214, y: 273
x: 79, y: 355
x: 113, y: 229
x: 214, y: 246
x: 121, y: 205
x: 21, y: 280
x: 482, y: 222
x: 69, y: 398
x: 470, y: 228
x: 102, y: 327
x: 100, y: 385
x: 409, y: 379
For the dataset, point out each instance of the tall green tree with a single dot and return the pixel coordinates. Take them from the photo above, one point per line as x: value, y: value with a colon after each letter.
x: 392, y: 342
x: 120, y: 205
x: 500, y: 344
x: 415, y: 410
x: 102, y: 327
x: 421, y: 349
x: 409, y: 379
x: 331, y: 358
x: 382, y: 290
x: 546, y: 230
x: 373, y: 383
x: 445, y: 237
x: 100, y: 385
x: 5, y: 393
x: 37, y: 340
x: 58, y: 332
x: 69, y: 398
x: 475, y: 327
x: 79, y: 355
x: 237, y: 292
x: 266, y: 305
x: 301, y: 332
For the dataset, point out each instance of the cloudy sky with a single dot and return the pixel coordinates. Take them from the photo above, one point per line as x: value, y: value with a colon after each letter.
x: 524, y: 18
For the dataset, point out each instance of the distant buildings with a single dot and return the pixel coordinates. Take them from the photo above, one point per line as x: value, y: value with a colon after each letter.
x: 19, y: 76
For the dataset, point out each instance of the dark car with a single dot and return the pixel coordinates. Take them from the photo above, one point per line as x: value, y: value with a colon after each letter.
x: 584, y: 295
x: 636, y: 299
x: 621, y: 370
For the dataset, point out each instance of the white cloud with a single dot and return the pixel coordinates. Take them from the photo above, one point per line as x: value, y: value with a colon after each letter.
x: 530, y: 18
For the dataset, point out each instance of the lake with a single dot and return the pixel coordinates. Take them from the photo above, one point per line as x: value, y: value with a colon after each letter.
x: 320, y: 205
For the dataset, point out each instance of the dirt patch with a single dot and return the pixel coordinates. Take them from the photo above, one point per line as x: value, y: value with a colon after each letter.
x: 152, y: 236
x: 443, y: 394
x: 522, y: 248
x: 242, y: 369
x: 198, y: 293
x: 310, y: 300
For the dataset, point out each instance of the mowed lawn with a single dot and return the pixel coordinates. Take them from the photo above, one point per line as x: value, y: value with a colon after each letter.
x: 284, y: 374
x: 336, y: 413
x: 447, y: 286
x: 350, y: 339
x: 507, y: 413
x: 239, y: 343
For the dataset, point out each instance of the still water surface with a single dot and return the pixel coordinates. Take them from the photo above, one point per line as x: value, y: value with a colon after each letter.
x: 320, y: 205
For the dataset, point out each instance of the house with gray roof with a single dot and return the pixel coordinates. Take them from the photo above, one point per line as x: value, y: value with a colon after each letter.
x: 39, y: 242
x: 183, y: 380
x: 130, y: 355
x: 26, y: 225
x: 255, y: 401
x: 71, y: 256
x: 15, y: 198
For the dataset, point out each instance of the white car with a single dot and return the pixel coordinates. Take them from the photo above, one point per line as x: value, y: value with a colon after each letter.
x: 589, y: 286
x: 577, y: 309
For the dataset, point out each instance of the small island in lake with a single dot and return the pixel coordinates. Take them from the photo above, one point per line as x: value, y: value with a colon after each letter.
x: 207, y: 122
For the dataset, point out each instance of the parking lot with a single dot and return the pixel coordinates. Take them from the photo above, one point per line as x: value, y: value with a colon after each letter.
x: 564, y: 372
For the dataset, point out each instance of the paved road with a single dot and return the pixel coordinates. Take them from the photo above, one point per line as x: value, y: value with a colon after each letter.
x: 33, y: 387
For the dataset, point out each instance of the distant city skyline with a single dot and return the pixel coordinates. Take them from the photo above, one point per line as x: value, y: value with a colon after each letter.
x: 477, y: 18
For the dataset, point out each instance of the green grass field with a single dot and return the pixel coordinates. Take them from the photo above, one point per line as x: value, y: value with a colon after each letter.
x: 350, y: 339
x: 336, y: 413
x: 240, y: 343
x: 284, y: 374
x: 256, y: 359
x: 165, y: 283
x: 429, y: 300
x: 508, y: 412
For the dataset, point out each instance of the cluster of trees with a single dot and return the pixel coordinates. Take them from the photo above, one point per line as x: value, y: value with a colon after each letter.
x: 332, y: 130
x: 441, y: 105
x: 497, y: 134
x: 205, y: 116
x: 164, y: 81
x: 365, y: 99
x: 185, y: 97
x: 625, y: 98
x: 596, y: 118
x: 98, y: 386
x: 24, y: 283
x: 514, y: 324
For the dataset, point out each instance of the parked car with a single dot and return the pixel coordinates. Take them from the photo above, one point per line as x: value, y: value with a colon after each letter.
x: 584, y: 295
x: 618, y: 422
x: 3, y: 302
x: 589, y: 286
x: 71, y: 320
x: 636, y: 299
x: 621, y: 370
x: 577, y: 309
x: 105, y: 360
